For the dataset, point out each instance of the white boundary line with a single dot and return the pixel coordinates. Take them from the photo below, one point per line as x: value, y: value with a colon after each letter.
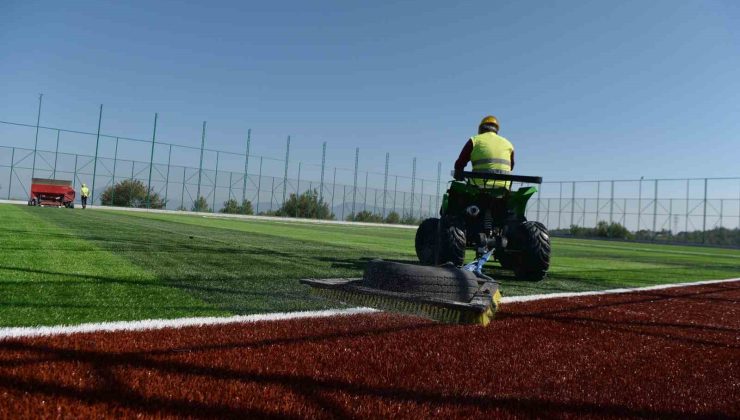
x: 234, y: 216
x: 158, y: 324
x: 530, y: 298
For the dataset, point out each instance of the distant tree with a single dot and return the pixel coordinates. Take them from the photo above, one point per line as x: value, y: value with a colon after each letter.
x: 231, y: 206
x: 408, y: 219
x: 130, y: 193
x: 246, y: 207
x: 393, y: 218
x: 602, y: 229
x: 576, y: 230
x: 307, y: 205
x: 616, y: 230
x: 201, y: 204
x: 365, y: 216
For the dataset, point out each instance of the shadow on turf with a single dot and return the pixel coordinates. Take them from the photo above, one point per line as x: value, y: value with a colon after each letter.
x: 213, y: 293
x: 110, y: 390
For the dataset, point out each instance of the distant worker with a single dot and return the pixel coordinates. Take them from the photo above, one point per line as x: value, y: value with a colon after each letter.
x: 84, y: 193
x: 488, y: 152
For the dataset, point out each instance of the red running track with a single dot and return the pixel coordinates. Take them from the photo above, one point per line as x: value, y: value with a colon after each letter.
x: 665, y: 353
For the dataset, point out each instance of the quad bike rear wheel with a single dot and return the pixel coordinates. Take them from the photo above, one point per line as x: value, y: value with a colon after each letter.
x: 533, y: 243
x: 505, y: 260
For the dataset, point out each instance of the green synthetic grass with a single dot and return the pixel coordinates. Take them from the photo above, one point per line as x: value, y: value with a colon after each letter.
x: 71, y: 266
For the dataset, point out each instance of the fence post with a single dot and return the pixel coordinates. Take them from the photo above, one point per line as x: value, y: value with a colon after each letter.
x: 539, y: 198
x: 259, y: 185
x: 624, y: 212
x: 272, y: 193
x: 639, y: 204
x: 36, y: 142
x: 151, y: 164
x: 572, y: 202
x: 421, y: 199
x: 403, y: 205
x: 246, y: 166
x: 655, y: 207
x: 95, y: 164
x: 385, y: 181
x: 115, y: 162
x: 439, y: 178
x: 10, y: 178
x: 131, y: 186
x: 686, y: 219
x: 560, y: 204
x: 354, y: 185
x: 333, y: 186
x: 56, y: 156
x: 167, y: 178
x: 182, y: 193
x: 215, y: 184
x: 231, y: 175
x: 74, y: 175
x: 200, y: 165
x: 413, y: 187
x: 395, y: 192
x: 598, y: 201
x: 583, y: 220
x: 611, y: 205
x: 298, y: 184
x: 704, y: 215
x: 364, y: 206
x: 323, y: 166
x: 285, y: 173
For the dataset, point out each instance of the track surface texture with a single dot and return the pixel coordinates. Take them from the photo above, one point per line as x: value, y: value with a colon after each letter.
x: 661, y: 353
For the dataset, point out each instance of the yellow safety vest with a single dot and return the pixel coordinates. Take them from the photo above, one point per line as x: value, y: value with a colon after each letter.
x: 84, y: 191
x: 491, y: 153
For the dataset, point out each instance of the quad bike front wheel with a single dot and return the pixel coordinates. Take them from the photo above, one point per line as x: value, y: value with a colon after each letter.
x: 452, y: 242
x: 440, y: 241
x: 426, y: 241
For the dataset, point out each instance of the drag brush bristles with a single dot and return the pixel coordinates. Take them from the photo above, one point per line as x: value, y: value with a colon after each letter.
x: 424, y: 309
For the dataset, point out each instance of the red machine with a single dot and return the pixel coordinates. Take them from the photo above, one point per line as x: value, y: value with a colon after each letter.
x: 52, y: 192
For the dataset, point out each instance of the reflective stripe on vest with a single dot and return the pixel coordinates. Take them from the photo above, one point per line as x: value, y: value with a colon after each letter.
x: 484, y: 161
x: 495, y: 171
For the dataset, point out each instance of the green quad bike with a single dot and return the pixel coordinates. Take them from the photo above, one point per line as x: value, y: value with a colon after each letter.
x: 491, y: 221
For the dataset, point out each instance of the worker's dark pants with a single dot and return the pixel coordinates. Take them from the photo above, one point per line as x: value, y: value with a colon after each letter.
x: 84, y: 201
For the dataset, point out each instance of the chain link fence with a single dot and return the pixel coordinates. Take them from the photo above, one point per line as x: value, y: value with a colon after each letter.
x: 179, y: 174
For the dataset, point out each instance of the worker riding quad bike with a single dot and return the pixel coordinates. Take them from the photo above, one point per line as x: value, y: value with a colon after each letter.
x: 480, y: 213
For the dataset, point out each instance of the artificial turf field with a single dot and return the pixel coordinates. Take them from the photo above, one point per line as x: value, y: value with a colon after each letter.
x: 69, y: 267
x: 668, y: 353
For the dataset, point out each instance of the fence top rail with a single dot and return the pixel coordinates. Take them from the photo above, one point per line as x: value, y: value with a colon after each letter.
x: 644, y: 180
x: 338, y: 168
x: 110, y: 136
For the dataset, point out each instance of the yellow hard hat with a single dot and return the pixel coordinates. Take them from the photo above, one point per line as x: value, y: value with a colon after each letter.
x: 490, y: 120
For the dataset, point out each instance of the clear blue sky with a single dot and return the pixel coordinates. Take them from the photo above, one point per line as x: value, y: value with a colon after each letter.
x: 584, y: 90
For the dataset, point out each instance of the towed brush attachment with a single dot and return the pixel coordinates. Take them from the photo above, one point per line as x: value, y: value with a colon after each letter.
x: 446, y: 294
